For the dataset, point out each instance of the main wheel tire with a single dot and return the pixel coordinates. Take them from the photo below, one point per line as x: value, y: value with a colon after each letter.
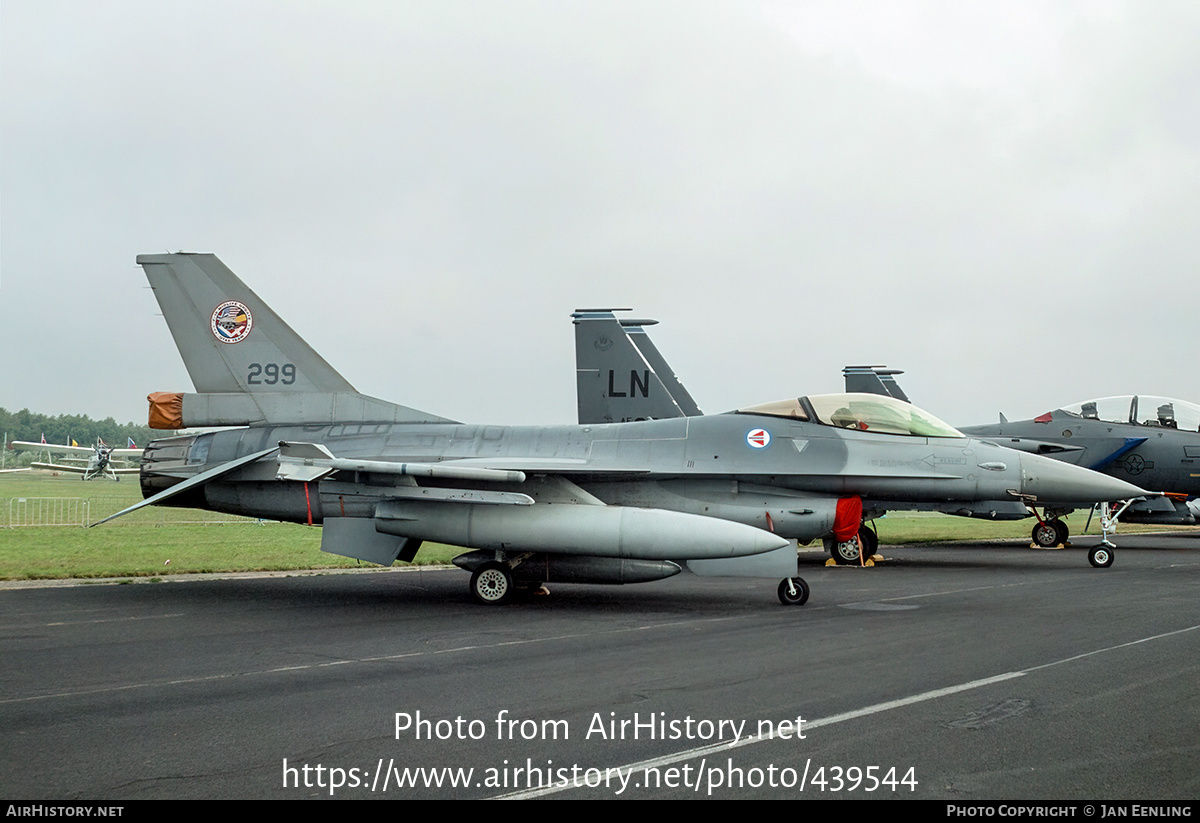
x: 1063, y: 531
x: 869, y: 541
x: 844, y: 554
x: 1101, y: 557
x: 1045, y: 535
x: 492, y: 583
x: 793, y: 598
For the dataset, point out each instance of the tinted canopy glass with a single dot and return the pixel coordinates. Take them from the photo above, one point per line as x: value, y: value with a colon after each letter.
x: 1140, y: 409
x: 865, y: 412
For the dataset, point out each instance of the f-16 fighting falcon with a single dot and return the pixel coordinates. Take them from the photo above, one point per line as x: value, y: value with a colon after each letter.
x: 1158, y: 447
x: 621, y: 375
x: 627, y: 502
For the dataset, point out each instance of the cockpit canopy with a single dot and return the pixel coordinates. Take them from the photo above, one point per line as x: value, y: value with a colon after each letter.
x: 1141, y: 410
x: 866, y: 412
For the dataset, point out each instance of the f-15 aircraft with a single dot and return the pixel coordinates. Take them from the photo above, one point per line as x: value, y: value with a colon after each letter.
x: 614, y: 503
x: 619, y: 373
x: 94, y: 461
x: 616, y: 381
x: 1151, y: 440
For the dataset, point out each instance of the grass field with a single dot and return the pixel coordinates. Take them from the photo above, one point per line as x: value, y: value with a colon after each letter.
x: 152, y: 541
x: 156, y: 541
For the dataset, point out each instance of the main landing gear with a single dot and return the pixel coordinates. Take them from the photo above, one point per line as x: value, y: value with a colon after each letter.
x: 1051, y: 530
x: 1050, y: 533
x: 847, y: 553
x: 492, y: 583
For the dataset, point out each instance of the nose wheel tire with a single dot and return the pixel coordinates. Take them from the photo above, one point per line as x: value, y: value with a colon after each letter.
x: 492, y: 583
x: 793, y: 591
x: 1101, y: 557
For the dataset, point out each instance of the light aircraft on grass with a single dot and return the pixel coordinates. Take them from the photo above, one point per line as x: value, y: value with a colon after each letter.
x: 617, y: 380
x: 93, y: 461
x: 612, y: 503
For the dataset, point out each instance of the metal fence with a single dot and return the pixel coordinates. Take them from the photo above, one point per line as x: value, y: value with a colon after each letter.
x: 49, y: 511
x: 80, y: 511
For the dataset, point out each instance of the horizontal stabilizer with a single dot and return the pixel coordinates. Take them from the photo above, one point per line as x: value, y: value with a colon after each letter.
x: 191, y: 483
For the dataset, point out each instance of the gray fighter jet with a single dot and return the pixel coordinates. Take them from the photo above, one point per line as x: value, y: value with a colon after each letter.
x: 609, y: 503
x: 1150, y: 440
x: 618, y: 381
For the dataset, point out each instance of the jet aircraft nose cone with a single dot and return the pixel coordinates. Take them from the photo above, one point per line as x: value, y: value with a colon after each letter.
x: 1052, y: 481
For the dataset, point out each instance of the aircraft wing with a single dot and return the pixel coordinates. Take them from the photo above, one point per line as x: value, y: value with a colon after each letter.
x: 28, y: 446
x: 59, y: 467
x: 64, y: 467
x: 81, y: 451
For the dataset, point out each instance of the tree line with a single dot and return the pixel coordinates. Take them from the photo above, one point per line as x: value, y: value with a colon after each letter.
x: 61, y: 429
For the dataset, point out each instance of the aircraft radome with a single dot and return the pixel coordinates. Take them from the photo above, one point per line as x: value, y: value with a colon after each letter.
x: 614, y: 503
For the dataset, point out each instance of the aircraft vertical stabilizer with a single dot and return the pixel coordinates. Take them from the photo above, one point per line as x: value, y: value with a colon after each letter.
x: 874, y: 380
x: 615, y: 381
x: 637, y: 335
x: 227, y: 335
x: 249, y: 367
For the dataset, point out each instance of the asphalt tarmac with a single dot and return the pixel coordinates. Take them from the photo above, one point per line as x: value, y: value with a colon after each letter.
x: 969, y: 673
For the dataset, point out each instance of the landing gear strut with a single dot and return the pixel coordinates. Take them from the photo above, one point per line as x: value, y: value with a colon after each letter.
x: 793, y: 591
x: 1101, y: 557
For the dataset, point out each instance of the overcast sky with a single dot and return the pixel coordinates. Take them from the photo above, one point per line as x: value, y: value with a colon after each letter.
x: 1003, y: 199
